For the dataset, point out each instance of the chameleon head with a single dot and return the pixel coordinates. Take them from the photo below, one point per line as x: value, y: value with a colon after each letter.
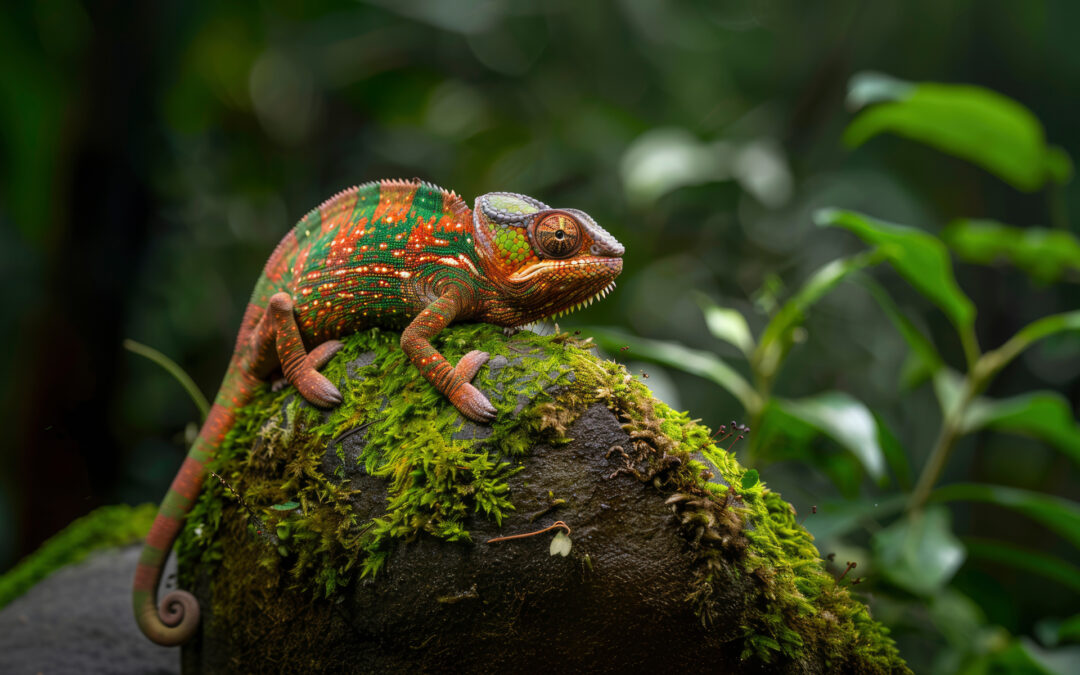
x: 542, y: 261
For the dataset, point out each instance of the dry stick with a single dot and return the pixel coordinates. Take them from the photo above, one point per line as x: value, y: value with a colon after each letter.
x: 260, y: 526
x: 850, y: 566
x: 557, y: 523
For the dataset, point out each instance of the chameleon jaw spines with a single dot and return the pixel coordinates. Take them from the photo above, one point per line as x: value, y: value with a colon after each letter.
x: 602, y: 293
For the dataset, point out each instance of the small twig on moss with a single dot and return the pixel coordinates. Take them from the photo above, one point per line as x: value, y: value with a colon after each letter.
x: 260, y: 527
x: 850, y: 566
x: 552, y: 505
x: 352, y: 431
x: 557, y: 523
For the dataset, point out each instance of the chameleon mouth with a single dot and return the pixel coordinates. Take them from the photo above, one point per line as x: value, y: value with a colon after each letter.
x: 555, y: 265
x: 586, y: 302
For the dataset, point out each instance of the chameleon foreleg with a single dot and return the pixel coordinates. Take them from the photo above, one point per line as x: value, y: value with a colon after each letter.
x: 453, y: 382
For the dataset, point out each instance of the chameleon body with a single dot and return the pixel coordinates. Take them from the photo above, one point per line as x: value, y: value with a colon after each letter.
x: 395, y: 254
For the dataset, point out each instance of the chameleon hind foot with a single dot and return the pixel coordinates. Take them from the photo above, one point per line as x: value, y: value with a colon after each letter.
x: 316, y: 358
x: 296, y: 363
x: 316, y: 389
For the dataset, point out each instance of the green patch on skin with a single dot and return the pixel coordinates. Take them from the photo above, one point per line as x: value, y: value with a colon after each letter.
x: 274, y: 456
x: 105, y: 527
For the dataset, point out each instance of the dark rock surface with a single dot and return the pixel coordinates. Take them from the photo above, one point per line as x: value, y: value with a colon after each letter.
x: 79, y: 621
x: 510, y: 606
x: 666, y: 574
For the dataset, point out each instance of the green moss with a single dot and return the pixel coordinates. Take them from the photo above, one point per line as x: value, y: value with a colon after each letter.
x: 274, y: 455
x: 315, y: 541
x: 105, y: 527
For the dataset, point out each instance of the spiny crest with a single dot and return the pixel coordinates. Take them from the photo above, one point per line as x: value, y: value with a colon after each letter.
x: 347, y: 192
x: 451, y: 200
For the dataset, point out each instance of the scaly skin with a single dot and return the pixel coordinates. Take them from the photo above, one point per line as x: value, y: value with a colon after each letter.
x: 403, y: 255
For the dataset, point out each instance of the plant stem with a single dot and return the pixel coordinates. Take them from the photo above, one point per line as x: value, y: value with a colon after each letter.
x: 952, y: 427
x: 970, y: 343
x: 173, y: 369
x: 946, y: 440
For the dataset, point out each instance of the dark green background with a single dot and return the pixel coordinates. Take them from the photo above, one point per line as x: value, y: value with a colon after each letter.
x: 152, y: 154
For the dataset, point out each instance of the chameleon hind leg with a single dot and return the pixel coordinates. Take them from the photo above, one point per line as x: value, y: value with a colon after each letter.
x: 316, y: 359
x: 453, y: 382
x: 276, y: 341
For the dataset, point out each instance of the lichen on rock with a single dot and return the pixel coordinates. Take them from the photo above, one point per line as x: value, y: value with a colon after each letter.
x: 358, y: 535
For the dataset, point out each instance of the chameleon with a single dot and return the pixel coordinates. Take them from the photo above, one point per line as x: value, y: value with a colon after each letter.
x: 395, y: 254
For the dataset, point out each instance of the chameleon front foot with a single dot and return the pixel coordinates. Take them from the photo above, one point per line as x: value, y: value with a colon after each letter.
x: 470, y: 364
x: 469, y: 400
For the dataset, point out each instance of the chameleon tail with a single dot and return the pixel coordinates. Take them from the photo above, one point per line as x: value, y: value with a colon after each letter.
x: 178, y: 618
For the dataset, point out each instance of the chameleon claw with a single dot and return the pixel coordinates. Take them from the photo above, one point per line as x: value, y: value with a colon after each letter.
x: 318, y: 390
x: 472, y: 403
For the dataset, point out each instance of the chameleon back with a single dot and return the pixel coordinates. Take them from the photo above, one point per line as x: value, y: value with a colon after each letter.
x: 372, y: 255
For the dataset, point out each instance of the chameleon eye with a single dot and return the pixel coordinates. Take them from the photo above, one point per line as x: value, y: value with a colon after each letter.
x: 557, y: 236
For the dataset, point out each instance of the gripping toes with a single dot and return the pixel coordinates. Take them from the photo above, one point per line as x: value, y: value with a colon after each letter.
x: 318, y: 390
x: 472, y: 403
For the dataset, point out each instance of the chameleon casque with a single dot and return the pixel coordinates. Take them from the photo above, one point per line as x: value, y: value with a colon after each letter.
x: 402, y: 255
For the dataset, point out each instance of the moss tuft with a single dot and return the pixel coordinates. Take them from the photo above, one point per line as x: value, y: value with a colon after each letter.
x: 104, y: 527
x: 283, y: 479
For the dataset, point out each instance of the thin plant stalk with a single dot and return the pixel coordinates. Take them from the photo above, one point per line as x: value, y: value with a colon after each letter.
x: 173, y: 369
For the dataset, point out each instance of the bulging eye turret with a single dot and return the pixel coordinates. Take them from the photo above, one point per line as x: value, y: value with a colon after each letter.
x: 557, y: 235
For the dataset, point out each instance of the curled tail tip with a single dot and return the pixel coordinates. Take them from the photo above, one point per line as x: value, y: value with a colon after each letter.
x: 174, y: 624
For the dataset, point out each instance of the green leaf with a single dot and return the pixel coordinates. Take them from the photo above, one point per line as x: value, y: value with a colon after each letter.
x: 981, y: 126
x: 846, y: 421
x: 1036, y: 330
x: 1069, y: 630
x: 919, y: 257
x: 919, y: 552
x: 750, y: 479
x: 693, y: 361
x: 1060, y: 515
x: 1025, y: 559
x: 560, y: 544
x: 1018, y: 657
x: 869, y: 87
x: 287, y: 506
x: 1044, y: 415
x: 925, y: 360
x: 1043, y: 254
x: 283, y: 531
x: 1049, y: 325
x: 776, y: 340
x: 726, y: 324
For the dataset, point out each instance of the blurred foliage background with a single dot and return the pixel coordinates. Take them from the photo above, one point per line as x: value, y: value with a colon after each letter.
x: 152, y: 154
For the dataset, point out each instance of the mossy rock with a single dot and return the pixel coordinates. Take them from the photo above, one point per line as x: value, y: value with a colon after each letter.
x: 357, y: 539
